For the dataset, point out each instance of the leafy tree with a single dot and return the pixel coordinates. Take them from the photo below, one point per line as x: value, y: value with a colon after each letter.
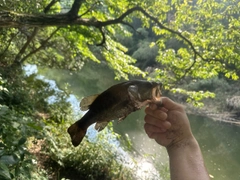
x: 210, y: 31
x: 64, y: 34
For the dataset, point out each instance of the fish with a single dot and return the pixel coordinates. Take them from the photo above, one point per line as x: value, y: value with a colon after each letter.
x: 117, y: 102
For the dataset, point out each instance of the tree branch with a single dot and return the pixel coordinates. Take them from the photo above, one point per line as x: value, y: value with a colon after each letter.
x: 189, y: 68
x: 48, y: 7
x: 23, y: 49
x: 155, y: 20
x: 100, y: 24
x: 196, y: 53
x: 11, y: 19
x: 117, y: 20
x: 33, y: 34
x: 103, y: 34
x: 88, y: 10
x: 7, y: 46
x: 103, y: 37
x: 73, y: 13
x: 127, y: 24
x: 40, y: 47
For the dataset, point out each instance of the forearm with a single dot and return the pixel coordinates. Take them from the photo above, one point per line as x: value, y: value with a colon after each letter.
x: 186, y: 161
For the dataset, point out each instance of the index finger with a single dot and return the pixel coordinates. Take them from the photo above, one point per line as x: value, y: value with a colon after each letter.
x: 157, y: 113
x: 169, y: 104
x: 157, y: 105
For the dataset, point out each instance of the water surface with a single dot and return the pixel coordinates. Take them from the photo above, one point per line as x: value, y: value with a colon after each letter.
x: 220, y: 142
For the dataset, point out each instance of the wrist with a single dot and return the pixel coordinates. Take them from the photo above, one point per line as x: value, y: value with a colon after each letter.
x: 189, y: 142
x: 186, y: 161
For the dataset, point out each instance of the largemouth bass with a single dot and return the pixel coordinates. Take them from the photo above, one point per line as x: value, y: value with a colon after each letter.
x: 117, y: 102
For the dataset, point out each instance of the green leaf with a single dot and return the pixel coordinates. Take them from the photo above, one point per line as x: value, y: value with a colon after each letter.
x: 34, y: 126
x: 22, y: 141
x: 2, y: 145
x: 9, y: 159
x: 3, y: 110
x: 4, y: 172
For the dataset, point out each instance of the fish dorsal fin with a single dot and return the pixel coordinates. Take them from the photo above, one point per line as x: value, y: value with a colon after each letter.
x: 101, y: 125
x: 87, y: 101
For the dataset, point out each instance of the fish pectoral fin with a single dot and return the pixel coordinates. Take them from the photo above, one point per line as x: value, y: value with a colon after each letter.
x: 101, y: 125
x: 87, y: 101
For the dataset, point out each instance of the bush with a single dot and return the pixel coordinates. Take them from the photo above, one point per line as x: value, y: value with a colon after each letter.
x: 16, y: 127
x: 145, y: 54
x: 214, y: 84
x: 99, y: 159
x: 23, y: 105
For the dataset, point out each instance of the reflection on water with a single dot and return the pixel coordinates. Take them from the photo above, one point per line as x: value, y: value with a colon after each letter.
x: 220, y: 142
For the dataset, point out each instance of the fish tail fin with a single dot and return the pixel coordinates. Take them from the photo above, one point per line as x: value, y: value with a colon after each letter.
x: 76, y: 133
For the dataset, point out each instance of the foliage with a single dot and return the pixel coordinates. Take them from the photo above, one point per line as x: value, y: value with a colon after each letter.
x: 15, y: 160
x: 96, y: 159
x: 211, y: 27
x: 214, y: 84
x: 145, y: 54
x: 23, y: 105
x: 164, y: 172
x: 196, y: 39
x: 16, y: 127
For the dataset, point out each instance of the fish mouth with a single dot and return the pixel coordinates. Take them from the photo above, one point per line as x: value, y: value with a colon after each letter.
x: 156, y: 93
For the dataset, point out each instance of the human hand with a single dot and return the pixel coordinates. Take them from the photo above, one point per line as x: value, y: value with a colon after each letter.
x: 168, y: 124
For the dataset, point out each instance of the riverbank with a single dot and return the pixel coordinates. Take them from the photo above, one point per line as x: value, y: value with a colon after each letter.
x: 224, y: 107
x: 225, y: 116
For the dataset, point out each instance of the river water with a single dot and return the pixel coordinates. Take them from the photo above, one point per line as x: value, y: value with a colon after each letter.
x: 220, y: 142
